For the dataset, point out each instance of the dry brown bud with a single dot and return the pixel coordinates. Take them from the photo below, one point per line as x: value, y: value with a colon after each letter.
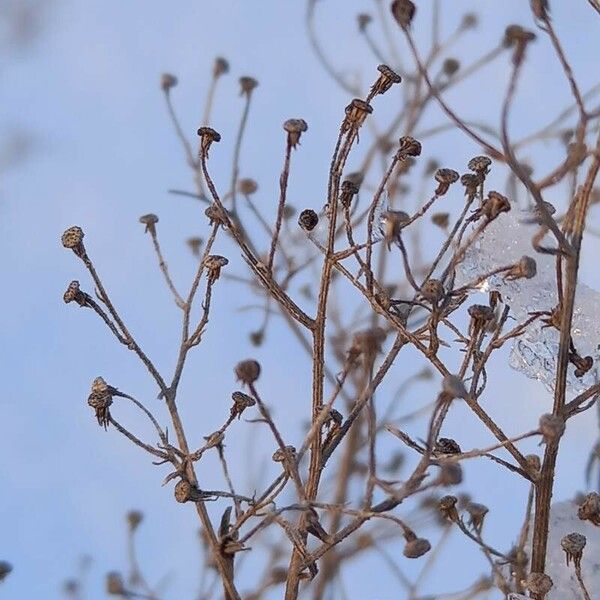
x: 220, y: 67
x: 480, y: 165
x: 216, y: 215
x: 241, y: 402
x: 134, y: 518
x: 471, y: 183
x: 356, y: 113
x: 214, y: 263
x: 526, y: 268
x: 447, y: 507
x: 477, y: 513
x: 469, y: 21
x: 363, y: 19
x: 538, y: 583
x: 403, y: 11
x: 453, y: 386
x: 432, y: 290
x: 445, y: 178
x: 387, y: 78
x: 100, y: 400
x: 247, y: 371
x: 409, y: 146
x: 442, y: 220
x: 194, y: 244
x: 167, y: 81
x: 494, y: 205
x: 115, y: 585
x: 349, y: 190
x: 590, y: 508
x: 186, y: 492
x: 450, y: 66
x: 247, y: 186
x: 207, y: 136
x: 295, y: 128
x: 74, y: 294
x: 72, y: 239
x: 150, y: 220
x: 416, y: 548
x: 534, y: 462
x: 5, y: 569
x: 450, y: 473
x: 285, y: 454
x: 446, y: 446
x: 308, y: 219
x: 573, y: 545
x: 247, y: 85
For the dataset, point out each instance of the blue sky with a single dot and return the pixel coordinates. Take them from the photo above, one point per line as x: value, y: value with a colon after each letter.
x: 87, y: 91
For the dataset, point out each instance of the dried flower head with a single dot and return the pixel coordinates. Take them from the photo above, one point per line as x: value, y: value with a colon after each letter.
x: 100, y: 401
x: 356, y: 113
x: 515, y: 34
x: 294, y: 128
x: 247, y: 85
x: 241, y: 402
x: 447, y: 507
x: 367, y: 344
x: 445, y: 178
x: 539, y: 583
x: 441, y: 219
x: 433, y: 290
x: 216, y: 215
x: 471, y: 183
x: 481, y: 313
x: 308, y: 219
x: 363, y: 19
x: 537, y: 212
x: 349, y: 190
x: 590, y: 508
x: 494, y: 205
x: 417, y: 547
x: 408, y: 146
x: 72, y: 239
x: 450, y: 473
x: 186, y: 492
x: 583, y: 364
x: 534, y: 462
x: 387, y: 78
x: 477, y: 514
x: 74, y: 294
x: 194, y: 244
x: 288, y: 212
x: 453, y: 386
x: 5, y: 569
x: 403, y: 11
x: 284, y: 454
x: 450, y: 66
x: 392, y: 223
x: 247, y: 186
x: 214, y: 263
x: 552, y: 427
x: 446, y: 446
x: 207, y: 136
x: 469, y: 21
x: 115, y: 585
x: 526, y: 268
x: 573, y: 545
x: 480, y: 165
x: 220, y: 66
x: 134, y: 518
x: 167, y: 82
x: 247, y: 371
x: 150, y: 220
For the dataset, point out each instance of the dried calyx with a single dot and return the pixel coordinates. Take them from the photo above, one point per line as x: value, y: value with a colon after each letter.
x: 308, y: 219
x: 150, y: 220
x: 403, y: 11
x: 387, y: 78
x: 100, y: 399
x: 294, y: 128
x: 72, y: 239
x: 167, y: 81
x: 207, y: 136
x: 247, y: 85
x: 247, y: 371
x: 74, y: 294
x: 241, y: 402
x: 214, y: 263
x: 445, y: 178
x: 573, y: 545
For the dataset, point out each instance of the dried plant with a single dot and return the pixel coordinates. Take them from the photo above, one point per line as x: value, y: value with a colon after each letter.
x: 358, y: 288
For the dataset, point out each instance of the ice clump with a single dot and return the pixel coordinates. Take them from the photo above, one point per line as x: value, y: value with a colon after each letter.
x: 535, y: 352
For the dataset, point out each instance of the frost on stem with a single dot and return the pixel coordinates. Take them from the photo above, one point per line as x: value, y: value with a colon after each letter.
x: 508, y: 241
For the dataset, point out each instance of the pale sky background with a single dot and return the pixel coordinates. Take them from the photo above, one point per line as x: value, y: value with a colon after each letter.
x: 104, y: 153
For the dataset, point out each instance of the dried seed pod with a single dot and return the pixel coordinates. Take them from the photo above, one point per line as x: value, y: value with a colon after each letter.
x: 282, y: 455
x: 150, y: 220
x: 308, y: 219
x: 536, y: 211
x: 5, y: 569
x: 471, y: 183
x: 494, y: 205
x: 480, y: 165
x: 247, y: 186
x: 247, y: 85
x: 590, y: 508
x: 477, y: 514
x: 241, y: 402
x: 247, y: 371
x: 573, y: 545
x: 72, y: 239
x: 349, y: 190
x: 447, y: 507
x: 294, y: 128
x: 288, y: 211
x: 367, y: 344
x: 445, y: 178
x: 453, y: 387
x: 186, y: 492
x: 194, y: 244
x: 216, y: 215
x: 387, y: 78
x: 356, y: 113
x: 416, y: 548
x: 392, y: 223
x: 539, y: 583
x: 446, y: 446
x: 115, y: 585
x: 74, y: 294
x: 433, y: 290
x: 450, y: 473
x: 515, y: 34
x: 100, y: 401
x: 442, y: 220
x: 582, y: 364
x: 257, y: 337
x: 552, y: 427
x: 403, y: 11
x: 214, y: 263
x: 167, y: 82
x: 481, y: 313
x: 363, y: 19
x: 469, y: 21
x: 220, y: 66
x: 526, y: 268
x: 207, y: 137
x: 450, y: 66
x: 409, y: 146
x: 134, y: 518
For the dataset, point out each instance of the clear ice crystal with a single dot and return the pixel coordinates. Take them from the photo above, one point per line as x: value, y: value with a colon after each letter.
x: 503, y: 243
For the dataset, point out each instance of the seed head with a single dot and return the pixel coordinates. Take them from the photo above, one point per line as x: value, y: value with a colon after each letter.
x: 441, y: 219
x: 367, y: 344
x: 308, y: 219
x: 285, y: 454
x: 185, y: 492
x: 74, y: 294
x: 392, y: 222
x: 453, y: 386
x: 241, y: 402
x: 494, y: 205
x: 295, y: 128
x: 471, y: 183
x: 409, y: 146
x: 450, y: 473
x: 247, y: 371
x: 248, y: 186
x: 247, y: 85
x: 551, y: 427
x: 480, y: 165
x: 537, y: 216
x: 416, y: 548
x: 214, y: 263
x: 447, y: 446
x: 134, y: 518
x: 150, y: 220
x: 115, y: 585
x: 590, y: 508
x: 526, y: 268
x: 481, y: 313
x: 387, y: 78
x: 534, y: 462
x: 447, y: 507
x: 363, y: 19
x: 356, y: 113
x: 72, y: 239
x: 288, y: 211
x: 167, y: 82
x: 349, y: 190
x: 5, y: 569
x: 445, y: 178
x: 469, y: 21
x: 477, y: 514
x: 220, y: 66
x: 450, y: 66
x: 573, y: 545
x: 207, y: 136
x: 432, y: 290
x: 538, y: 583
x: 216, y: 215
x: 100, y: 401
x: 403, y: 11
x: 194, y: 244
